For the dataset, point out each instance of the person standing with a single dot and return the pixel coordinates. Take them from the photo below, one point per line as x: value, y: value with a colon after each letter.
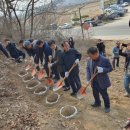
x: 69, y: 58
x: 116, y: 55
x: 56, y: 64
x: 101, y: 82
x: 101, y: 47
x: 126, y: 54
x: 71, y: 42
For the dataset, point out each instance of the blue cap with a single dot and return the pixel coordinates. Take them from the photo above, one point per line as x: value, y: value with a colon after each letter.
x: 26, y: 43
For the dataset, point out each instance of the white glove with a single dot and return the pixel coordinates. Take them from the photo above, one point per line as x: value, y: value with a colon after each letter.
x: 50, y: 57
x: 77, y: 61
x: 31, y: 59
x: 50, y: 65
x: 88, y: 82
x: 66, y: 74
x: 100, y: 69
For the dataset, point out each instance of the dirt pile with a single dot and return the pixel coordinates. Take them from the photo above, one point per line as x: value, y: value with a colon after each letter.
x: 27, y: 78
x: 32, y: 84
x: 68, y: 111
x: 22, y: 73
x: 52, y: 98
x: 40, y: 89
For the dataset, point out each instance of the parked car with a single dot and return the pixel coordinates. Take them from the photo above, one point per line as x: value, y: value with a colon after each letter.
x: 66, y: 26
x: 125, y: 4
x: 94, y: 23
x: 112, y: 16
x: 111, y: 10
x: 118, y: 7
x: 52, y: 26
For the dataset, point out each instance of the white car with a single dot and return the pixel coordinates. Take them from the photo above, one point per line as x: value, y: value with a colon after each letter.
x: 125, y: 4
x: 66, y: 26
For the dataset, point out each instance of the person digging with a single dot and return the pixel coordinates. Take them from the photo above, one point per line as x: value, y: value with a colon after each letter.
x: 101, y: 82
x: 56, y: 66
x: 69, y: 58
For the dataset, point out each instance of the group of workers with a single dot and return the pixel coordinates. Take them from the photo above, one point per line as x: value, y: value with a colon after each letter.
x: 62, y: 59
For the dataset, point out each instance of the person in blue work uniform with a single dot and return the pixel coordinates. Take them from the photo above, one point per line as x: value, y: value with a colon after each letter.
x: 116, y: 55
x: 56, y: 64
x: 126, y: 54
x: 70, y: 57
x: 4, y: 51
x: 40, y: 49
x: 28, y: 46
x: 101, y: 82
x: 14, y: 51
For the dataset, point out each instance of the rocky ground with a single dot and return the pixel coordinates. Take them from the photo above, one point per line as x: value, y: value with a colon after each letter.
x: 20, y: 109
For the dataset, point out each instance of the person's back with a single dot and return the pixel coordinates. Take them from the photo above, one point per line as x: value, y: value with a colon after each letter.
x: 13, y: 51
x: 4, y: 50
x: 11, y: 47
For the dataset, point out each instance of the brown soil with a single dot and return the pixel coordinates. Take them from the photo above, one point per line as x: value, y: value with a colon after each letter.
x: 52, y: 98
x: 22, y: 73
x: 40, y: 89
x: 68, y: 111
x: 32, y: 84
x: 28, y: 77
x: 1, y: 76
x: 20, y: 109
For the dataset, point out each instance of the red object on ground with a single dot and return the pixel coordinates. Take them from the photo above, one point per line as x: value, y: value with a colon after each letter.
x: 86, y: 26
x: 34, y: 72
x: 41, y: 74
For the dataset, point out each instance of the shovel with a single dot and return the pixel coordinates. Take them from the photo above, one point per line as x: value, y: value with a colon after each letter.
x: 34, y: 72
x: 49, y: 79
x: 82, y: 91
x: 59, y: 84
x: 41, y: 74
x: 28, y: 67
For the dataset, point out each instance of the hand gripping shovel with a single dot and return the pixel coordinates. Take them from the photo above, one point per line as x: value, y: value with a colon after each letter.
x: 49, y: 79
x: 59, y: 84
x: 34, y: 72
x: 82, y: 91
x: 28, y: 67
x: 41, y: 74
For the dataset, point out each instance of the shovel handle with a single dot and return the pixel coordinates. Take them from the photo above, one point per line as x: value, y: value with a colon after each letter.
x: 94, y: 75
x: 50, y: 59
x: 73, y: 66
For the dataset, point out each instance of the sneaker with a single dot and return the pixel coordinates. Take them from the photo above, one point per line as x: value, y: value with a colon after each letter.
x: 73, y: 94
x: 107, y: 110
x: 126, y: 95
x: 66, y: 89
x: 96, y: 105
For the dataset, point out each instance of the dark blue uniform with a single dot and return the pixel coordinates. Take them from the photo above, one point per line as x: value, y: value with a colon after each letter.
x: 4, y: 51
x: 14, y: 52
x: 68, y: 59
x: 101, y: 81
x: 47, y: 52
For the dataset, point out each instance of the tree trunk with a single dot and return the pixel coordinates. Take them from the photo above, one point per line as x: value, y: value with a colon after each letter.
x: 32, y: 19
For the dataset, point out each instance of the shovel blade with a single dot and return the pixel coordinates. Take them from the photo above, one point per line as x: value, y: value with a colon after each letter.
x: 57, y: 86
x: 28, y: 67
x: 50, y: 81
x: 40, y: 75
x: 34, y: 72
x: 82, y: 93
